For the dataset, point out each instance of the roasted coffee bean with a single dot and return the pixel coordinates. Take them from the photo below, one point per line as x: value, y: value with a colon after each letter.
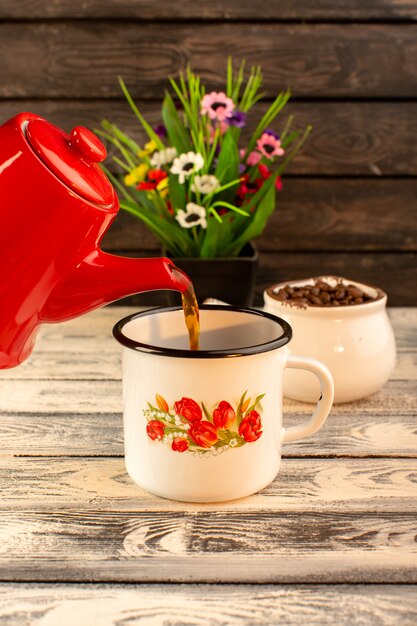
x: 322, y: 294
x: 355, y: 293
x: 315, y: 300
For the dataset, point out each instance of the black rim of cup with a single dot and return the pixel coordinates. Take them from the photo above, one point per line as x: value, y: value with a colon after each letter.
x: 280, y: 341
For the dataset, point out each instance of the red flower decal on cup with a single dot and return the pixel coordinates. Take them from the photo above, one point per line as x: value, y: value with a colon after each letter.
x: 155, y: 429
x: 179, y: 444
x: 224, y: 415
x: 251, y: 426
x: 226, y: 425
x: 203, y: 433
x: 188, y: 409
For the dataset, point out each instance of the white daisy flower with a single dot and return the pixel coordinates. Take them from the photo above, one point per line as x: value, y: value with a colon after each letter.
x: 205, y: 184
x: 233, y: 443
x: 194, y: 215
x: 186, y: 164
x: 162, y: 157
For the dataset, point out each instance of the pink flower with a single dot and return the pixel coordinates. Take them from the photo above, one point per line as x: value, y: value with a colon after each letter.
x: 212, y: 129
x: 217, y: 106
x: 253, y: 158
x: 269, y: 146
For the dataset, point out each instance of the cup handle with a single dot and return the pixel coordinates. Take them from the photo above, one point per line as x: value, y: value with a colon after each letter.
x: 324, y: 403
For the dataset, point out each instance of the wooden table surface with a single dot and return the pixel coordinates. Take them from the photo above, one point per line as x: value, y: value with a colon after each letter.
x: 331, y: 541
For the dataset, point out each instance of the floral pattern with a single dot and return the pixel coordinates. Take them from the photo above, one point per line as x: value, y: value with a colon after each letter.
x: 189, y: 426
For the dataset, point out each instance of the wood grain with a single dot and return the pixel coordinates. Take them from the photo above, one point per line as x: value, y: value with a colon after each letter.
x: 317, y: 214
x: 102, y: 397
x: 348, y: 138
x: 302, y: 485
x: 73, y: 59
x: 207, y: 546
x: 395, y: 273
x: 98, y: 324
x: 165, y: 10
x: 72, y: 435
x: 217, y: 605
x: 79, y: 362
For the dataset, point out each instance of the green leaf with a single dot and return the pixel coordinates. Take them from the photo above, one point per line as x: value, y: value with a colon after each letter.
x: 170, y: 234
x: 211, y: 236
x: 121, y: 136
x: 227, y: 168
x: 176, y: 192
x: 177, y: 133
x: 263, y: 203
x: 206, y: 413
x: 278, y: 104
x: 254, y: 405
x: 147, y: 127
x: 239, y: 408
x: 232, y: 207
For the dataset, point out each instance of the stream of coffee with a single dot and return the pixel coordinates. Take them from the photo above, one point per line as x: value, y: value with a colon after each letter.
x: 190, y: 308
x: 192, y: 317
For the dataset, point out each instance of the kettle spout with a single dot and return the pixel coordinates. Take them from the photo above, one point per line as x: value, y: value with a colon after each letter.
x: 102, y: 278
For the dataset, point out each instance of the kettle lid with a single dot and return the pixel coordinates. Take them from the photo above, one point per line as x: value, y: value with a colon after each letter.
x: 73, y: 159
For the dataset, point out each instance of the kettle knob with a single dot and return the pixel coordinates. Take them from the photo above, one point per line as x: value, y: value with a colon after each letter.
x: 87, y: 144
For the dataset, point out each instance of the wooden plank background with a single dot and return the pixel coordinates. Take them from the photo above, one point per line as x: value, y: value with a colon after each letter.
x: 332, y: 539
x: 349, y: 201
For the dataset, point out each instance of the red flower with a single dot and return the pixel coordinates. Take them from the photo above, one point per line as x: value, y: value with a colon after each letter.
x: 203, y: 433
x: 170, y: 208
x: 189, y: 410
x: 224, y: 415
x: 146, y: 185
x: 157, y: 175
x: 179, y: 444
x: 265, y: 173
x: 251, y: 426
x: 154, y: 177
x: 155, y: 429
x: 248, y: 187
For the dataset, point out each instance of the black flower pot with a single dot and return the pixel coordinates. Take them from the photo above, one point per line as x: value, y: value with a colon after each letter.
x: 231, y: 279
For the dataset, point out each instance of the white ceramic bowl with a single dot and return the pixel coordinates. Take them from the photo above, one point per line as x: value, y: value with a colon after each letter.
x: 356, y: 342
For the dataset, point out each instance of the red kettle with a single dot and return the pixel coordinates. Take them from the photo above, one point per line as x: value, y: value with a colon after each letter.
x: 55, y: 206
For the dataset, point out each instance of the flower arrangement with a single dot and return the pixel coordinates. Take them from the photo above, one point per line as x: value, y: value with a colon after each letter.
x: 190, y: 426
x: 193, y: 184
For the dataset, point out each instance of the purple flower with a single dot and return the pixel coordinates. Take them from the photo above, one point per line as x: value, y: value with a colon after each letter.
x: 242, y: 168
x: 160, y: 130
x: 236, y: 118
x: 271, y: 132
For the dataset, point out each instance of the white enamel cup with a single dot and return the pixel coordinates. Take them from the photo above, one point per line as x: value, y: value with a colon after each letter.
x: 206, y: 426
x: 355, y: 342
